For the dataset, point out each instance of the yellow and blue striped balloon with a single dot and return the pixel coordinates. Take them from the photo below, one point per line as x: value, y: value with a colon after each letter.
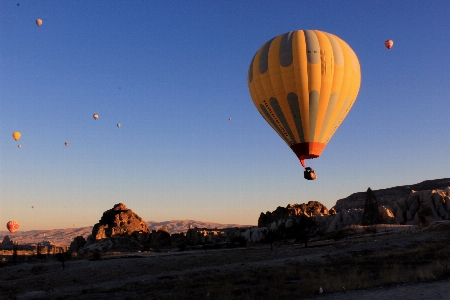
x: 304, y: 83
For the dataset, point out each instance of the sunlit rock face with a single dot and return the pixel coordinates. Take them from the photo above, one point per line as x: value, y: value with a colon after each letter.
x: 310, y: 209
x: 420, y: 208
x: 387, y: 197
x: 118, y: 229
x: 119, y: 221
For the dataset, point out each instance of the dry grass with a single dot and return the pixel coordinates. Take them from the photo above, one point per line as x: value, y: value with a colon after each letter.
x: 362, y: 270
x: 288, y: 272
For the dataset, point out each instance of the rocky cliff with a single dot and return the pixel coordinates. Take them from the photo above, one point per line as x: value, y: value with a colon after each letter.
x: 390, y: 195
x: 119, y: 221
x: 119, y: 228
x: 310, y: 209
x: 421, y: 204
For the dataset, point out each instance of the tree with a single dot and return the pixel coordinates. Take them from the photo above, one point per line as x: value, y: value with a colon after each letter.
x: 307, y: 228
x: 63, y: 257
x: 271, y: 236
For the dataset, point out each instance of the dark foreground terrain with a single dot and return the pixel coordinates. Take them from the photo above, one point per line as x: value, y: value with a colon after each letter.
x: 410, y: 265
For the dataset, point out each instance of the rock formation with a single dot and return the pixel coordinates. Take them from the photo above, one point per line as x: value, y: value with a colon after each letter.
x: 390, y: 195
x: 7, y: 241
x: 119, y: 221
x: 292, y: 210
x: 118, y: 229
x: 419, y: 208
x: 371, y: 214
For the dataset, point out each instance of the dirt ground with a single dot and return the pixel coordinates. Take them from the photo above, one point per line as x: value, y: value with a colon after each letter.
x: 191, y: 274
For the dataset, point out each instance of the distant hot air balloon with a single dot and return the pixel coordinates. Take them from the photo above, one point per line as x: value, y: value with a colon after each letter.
x: 118, y: 125
x: 16, y: 135
x: 67, y: 144
x: 95, y: 116
x: 304, y: 83
x: 19, y: 146
x: 229, y: 119
x: 389, y: 44
x: 39, y: 22
x: 12, y: 226
x: 32, y: 207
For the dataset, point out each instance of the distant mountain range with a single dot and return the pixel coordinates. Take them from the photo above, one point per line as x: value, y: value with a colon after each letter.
x: 63, y: 237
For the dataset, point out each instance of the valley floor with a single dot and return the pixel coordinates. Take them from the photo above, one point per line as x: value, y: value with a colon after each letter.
x: 405, y: 265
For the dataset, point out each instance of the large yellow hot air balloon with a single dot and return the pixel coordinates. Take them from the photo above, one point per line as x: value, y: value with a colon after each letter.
x: 304, y: 83
x: 38, y: 22
x: 16, y: 135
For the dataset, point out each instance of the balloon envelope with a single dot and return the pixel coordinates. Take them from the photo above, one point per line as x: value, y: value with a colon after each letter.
x: 39, y: 22
x: 95, y: 116
x: 389, y: 44
x: 16, y: 135
x: 67, y: 144
x: 304, y: 83
x: 12, y: 226
x: 118, y: 125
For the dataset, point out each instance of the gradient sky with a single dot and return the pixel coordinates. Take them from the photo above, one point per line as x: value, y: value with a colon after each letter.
x: 172, y: 73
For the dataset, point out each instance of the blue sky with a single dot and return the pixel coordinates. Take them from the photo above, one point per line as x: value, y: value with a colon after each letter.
x: 172, y: 73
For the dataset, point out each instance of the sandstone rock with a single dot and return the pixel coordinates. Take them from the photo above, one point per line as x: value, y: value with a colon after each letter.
x: 402, y: 204
x: 258, y: 234
x: 426, y: 215
x: 310, y: 209
x: 409, y: 216
x: 119, y: 229
x: 341, y: 220
x: 272, y: 226
x: 255, y: 234
x: 398, y: 213
x: 443, y: 213
x: 346, y: 217
x: 164, y: 228
x: 7, y: 241
x: 387, y: 216
x: 393, y: 194
x: 289, y: 223
x: 371, y: 214
x: 119, y: 221
x: 385, y: 212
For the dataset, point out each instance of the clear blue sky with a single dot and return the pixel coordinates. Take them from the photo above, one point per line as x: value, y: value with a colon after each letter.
x: 172, y: 73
